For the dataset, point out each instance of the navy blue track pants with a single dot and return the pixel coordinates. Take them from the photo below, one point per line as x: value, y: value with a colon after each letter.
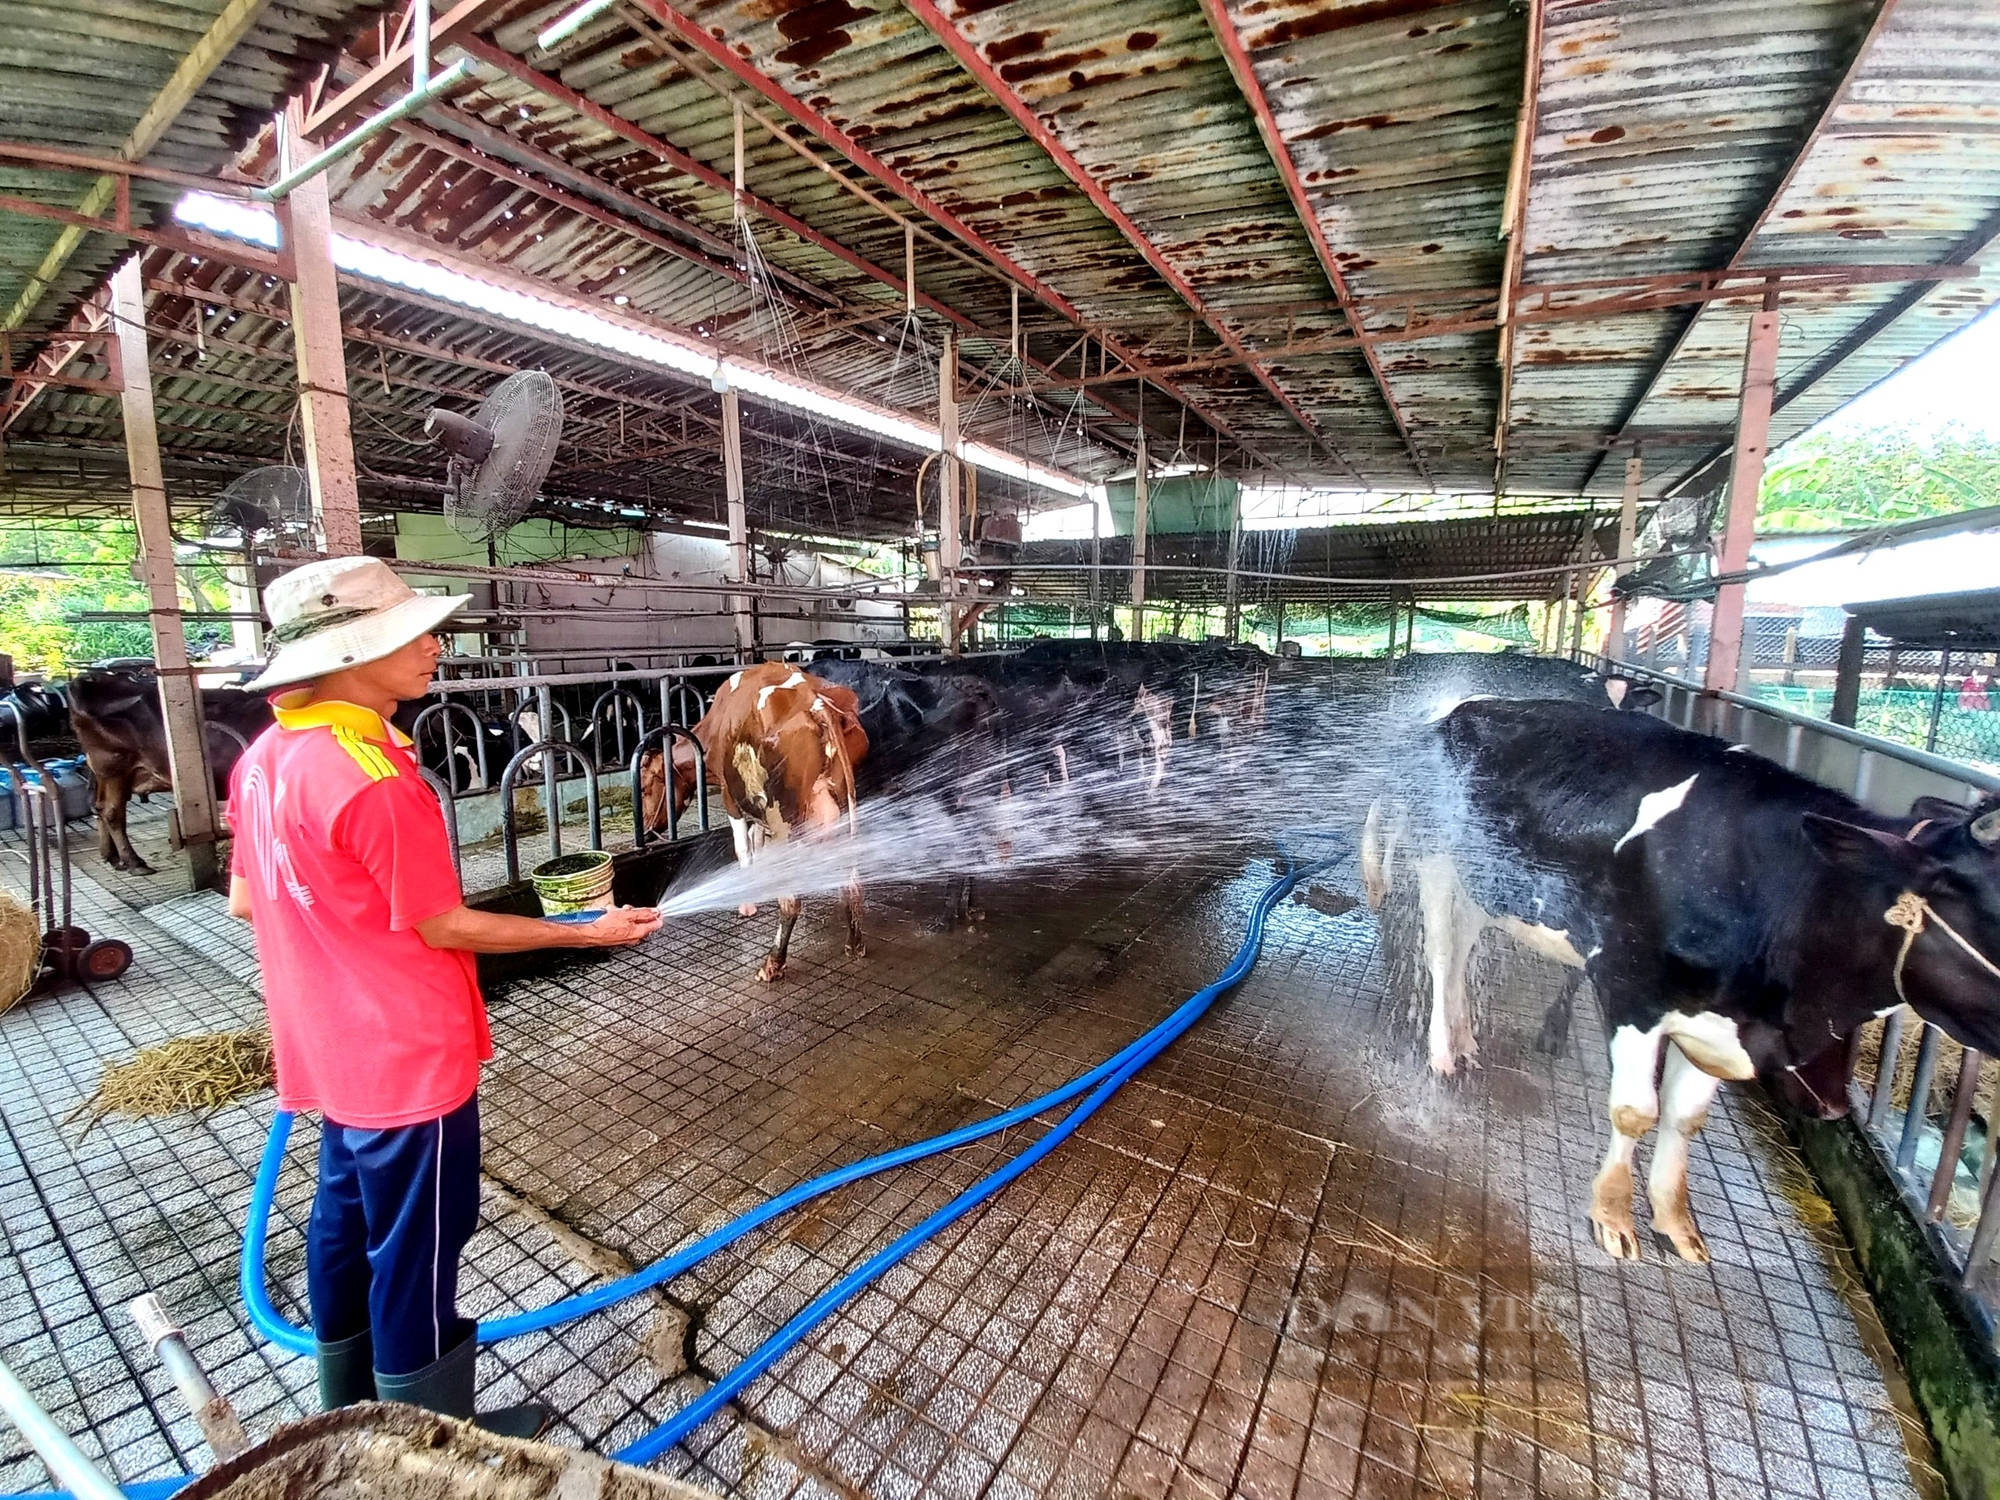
x: 393, y: 1211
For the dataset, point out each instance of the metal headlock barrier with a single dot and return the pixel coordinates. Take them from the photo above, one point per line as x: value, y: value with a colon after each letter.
x: 490, y: 706
x: 1952, y: 1199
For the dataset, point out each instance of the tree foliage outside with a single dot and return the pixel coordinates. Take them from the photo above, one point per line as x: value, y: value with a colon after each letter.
x: 52, y: 571
x: 1855, y: 479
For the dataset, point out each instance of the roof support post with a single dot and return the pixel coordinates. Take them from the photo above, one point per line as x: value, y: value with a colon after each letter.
x: 305, y: 225
x: 949, y: 555
x: 180, y: 698
x: 1746, y: 475
x: 1096, y: 562
x: 1231, y: 605
x: 1847, y: 676
x: 1141, y: 505
x: 739, y: 523
x: 1628, y: 538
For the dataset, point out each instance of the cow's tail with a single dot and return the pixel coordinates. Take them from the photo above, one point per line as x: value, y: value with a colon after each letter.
x: 836, y: 743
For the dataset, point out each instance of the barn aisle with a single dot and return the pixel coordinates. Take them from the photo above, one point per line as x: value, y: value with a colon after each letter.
x: 1283, y: 1262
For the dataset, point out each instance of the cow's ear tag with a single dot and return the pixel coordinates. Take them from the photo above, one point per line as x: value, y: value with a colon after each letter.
x: 1864, y: 851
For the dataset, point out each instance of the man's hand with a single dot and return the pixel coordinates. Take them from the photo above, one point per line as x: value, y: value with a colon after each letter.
x: 619, y: 927
x: 496, y: 932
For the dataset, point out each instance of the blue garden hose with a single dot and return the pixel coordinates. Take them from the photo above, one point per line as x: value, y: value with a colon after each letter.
x: 1099, y: 1084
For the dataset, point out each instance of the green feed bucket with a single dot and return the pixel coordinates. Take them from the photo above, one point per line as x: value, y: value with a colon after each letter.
x: 573, y: 882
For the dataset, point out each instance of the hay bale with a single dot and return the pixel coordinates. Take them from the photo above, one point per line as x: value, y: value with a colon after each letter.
x: 20, y: 951
x: 191, y: 1072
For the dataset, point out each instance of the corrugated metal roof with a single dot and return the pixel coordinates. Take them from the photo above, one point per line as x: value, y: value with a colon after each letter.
x: 80, y: 75
x: 1670, y: 136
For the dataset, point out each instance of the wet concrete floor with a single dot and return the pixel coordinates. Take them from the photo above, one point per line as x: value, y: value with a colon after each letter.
x: 1283, y: 1261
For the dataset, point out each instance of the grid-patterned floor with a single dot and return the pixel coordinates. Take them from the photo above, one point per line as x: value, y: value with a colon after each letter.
x: 1284, y: 1261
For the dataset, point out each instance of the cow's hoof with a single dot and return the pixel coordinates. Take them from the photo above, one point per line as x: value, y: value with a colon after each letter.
x: 857, y: 950
x: 1618, y: 1238
x: 747, y: 909
x: 773, y: 969
x: 1684, y: 1241
x: 137, y: 866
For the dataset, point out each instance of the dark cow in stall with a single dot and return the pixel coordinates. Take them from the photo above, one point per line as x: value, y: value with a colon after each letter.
x: 783, y: 747
x: 1736, y: 920
x: 44, y: 714
x: 942, y: 729
x: 115, y: 712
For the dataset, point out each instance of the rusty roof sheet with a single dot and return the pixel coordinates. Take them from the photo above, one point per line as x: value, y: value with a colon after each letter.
x: 1109, y: 153
x: 80, y: 75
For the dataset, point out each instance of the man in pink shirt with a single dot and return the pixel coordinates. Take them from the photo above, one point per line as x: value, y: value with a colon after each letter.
x: 343, y: 867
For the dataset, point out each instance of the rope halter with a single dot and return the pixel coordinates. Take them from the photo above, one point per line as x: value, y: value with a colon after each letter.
x: 1911, y: 912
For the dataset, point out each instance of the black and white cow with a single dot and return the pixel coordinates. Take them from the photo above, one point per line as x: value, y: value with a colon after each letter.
x: 1735, y: 920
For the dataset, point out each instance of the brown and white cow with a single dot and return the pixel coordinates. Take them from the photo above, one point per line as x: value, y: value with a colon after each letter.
x: 781, y: 746
x: 115, y: 712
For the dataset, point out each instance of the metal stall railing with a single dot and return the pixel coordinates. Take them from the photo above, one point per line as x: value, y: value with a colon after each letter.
x: 1926, y: 1105
x: 496, y: 730
x: 487, y: 721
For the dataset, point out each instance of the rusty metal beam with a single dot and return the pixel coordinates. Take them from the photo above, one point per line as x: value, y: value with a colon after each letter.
x: 670, y: 155
x: 79, y: 161
x: 183, y: 241
x: 193, y: 70
x: 1017, y: 108
x: 87, y: 324
x: 1536, y: 302
x: 1883, y: 11
x: 1243, y: 69
x: 500, y: 170
x: 691, y: 34
x: 1981, y: 241
x: 390, y: 71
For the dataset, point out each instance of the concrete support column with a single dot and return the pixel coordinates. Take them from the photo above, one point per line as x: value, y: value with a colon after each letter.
x: 950, y: 543
x: 180, y: 699
x: 305, y: 222
x: 1141, y: 504
x: 739, y: 524
x: 1628, y: 539
x: 1746, y: 475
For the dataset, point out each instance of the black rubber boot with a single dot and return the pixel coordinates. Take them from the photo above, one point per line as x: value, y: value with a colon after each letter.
x: 346, y: 1372
x: 447, y: 1386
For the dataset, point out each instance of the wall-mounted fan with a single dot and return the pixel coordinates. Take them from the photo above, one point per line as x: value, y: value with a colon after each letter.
x: 498, y: 457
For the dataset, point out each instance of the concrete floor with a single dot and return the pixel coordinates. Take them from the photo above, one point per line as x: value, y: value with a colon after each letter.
x: 1284, y: 1261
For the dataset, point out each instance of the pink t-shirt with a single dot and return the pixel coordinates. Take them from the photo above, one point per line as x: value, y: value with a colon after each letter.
x: 344, y: 848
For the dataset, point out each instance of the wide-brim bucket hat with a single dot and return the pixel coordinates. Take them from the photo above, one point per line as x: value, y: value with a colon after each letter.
x: 342, y: 612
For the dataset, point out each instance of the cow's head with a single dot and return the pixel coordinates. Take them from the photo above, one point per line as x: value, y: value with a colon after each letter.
x: 1629, y: 695
x: 1941, y: 881
x: 653, y: 782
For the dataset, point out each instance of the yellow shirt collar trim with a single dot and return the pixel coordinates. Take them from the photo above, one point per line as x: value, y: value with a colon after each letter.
x: 294, y: 712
